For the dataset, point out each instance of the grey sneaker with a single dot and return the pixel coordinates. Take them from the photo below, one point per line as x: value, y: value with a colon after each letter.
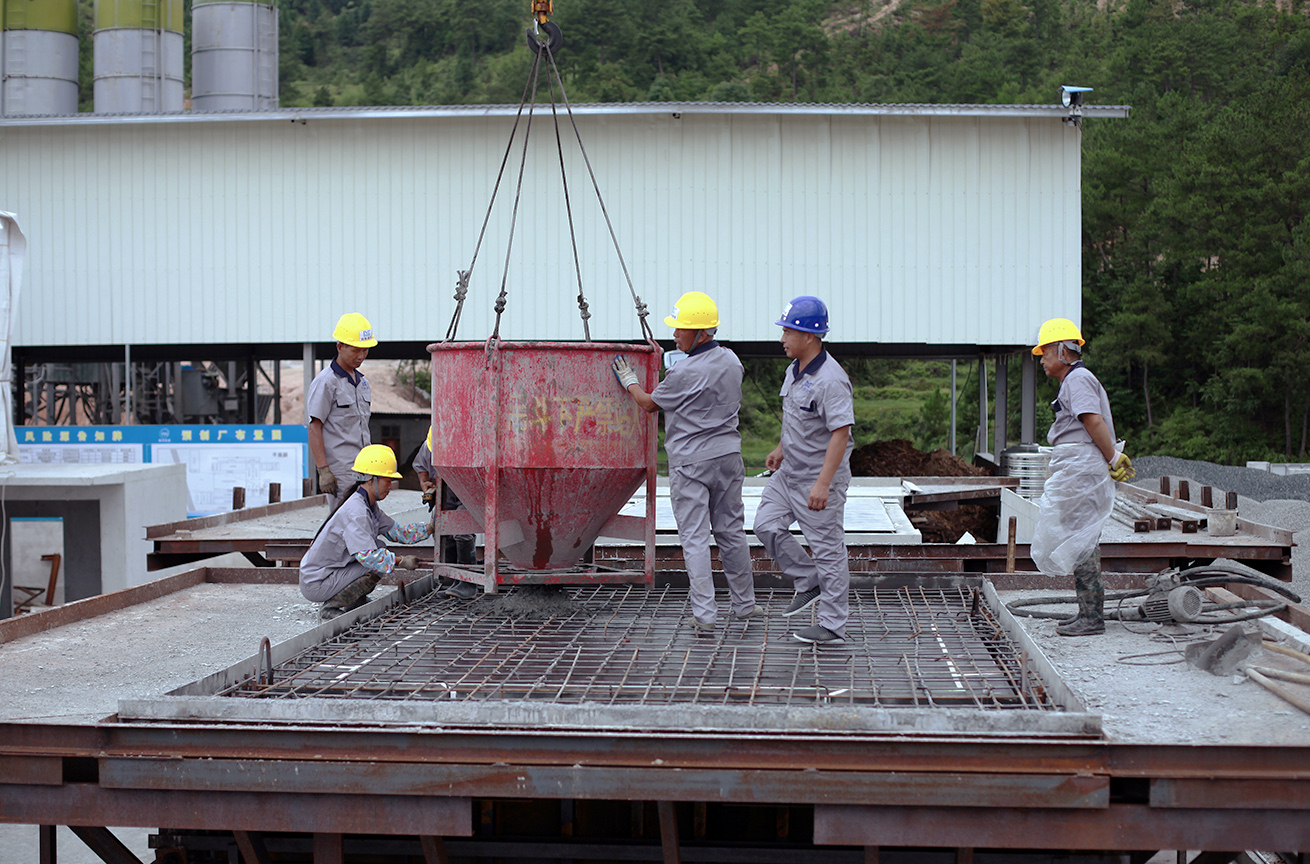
x: 753, y: 612
x: 463, y: 590
x: 802, y: 601
x: 699, y: 626
x: 818, y: 635
x: 327, y: 613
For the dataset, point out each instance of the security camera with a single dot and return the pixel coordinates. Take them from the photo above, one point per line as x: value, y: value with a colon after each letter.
x: 1072, y: 97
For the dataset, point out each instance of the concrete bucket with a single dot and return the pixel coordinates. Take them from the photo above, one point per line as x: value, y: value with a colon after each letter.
x: 544, y: 448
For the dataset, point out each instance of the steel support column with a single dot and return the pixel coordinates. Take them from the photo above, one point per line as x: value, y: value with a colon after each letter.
x: 669, y: 832
x: 1000, y: 431
x: 1028, y: 408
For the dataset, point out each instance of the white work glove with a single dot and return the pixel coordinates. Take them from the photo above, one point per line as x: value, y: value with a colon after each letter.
x: 624, y: 372
x: 327, y: 481
x: 407, y: 562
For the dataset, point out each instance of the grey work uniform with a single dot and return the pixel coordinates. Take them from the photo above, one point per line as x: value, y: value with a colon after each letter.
x: 456, y: 548
x: 343, y: 405
x: 330, y: 564
x: 816, y: 401
x: 1080, y: 393
x: 701, y: 396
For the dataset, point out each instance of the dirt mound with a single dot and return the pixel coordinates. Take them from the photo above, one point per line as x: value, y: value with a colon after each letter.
x: 899, y: 458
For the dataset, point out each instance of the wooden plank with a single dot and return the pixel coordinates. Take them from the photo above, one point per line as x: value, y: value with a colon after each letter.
x: 154, y: 532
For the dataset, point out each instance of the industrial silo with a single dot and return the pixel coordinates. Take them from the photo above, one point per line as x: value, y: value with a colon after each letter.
x: 38, y: 56
x: 233, y: 56
x: 138, y: 56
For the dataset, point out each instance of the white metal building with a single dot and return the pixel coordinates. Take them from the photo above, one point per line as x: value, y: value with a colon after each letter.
x: 920, y: 225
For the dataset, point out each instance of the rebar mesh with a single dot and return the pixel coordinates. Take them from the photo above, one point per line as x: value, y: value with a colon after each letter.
x: 905, y: 647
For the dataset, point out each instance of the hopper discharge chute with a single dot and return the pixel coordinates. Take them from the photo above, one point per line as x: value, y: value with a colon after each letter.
x: 537, y: 439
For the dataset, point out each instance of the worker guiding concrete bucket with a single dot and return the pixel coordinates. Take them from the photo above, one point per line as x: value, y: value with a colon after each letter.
x: 1086, y: 463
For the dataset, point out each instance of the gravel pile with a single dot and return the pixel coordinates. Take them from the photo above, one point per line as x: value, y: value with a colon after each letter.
x: 1249, y: 482
x: 1269, y: 499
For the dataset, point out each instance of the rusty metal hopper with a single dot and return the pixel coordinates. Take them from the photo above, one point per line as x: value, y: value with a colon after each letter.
x: 544, y: 448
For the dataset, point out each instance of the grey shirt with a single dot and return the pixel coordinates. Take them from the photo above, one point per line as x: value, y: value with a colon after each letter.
x: 1080, y: 393
x: 355, y: 527
x: 816, y: 401
x: 701, y: 396
x: 423, y: 460
x: 343, y: 407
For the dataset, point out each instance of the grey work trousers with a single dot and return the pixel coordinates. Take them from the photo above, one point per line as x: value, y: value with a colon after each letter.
x: 827, y: 565
x: 706, y: 498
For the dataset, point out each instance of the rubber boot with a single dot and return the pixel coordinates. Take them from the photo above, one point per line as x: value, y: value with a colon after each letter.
x: 1091, y: 600
x: 352, y: 596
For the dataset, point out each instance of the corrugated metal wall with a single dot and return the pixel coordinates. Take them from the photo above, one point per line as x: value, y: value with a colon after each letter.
x: 915, y: 229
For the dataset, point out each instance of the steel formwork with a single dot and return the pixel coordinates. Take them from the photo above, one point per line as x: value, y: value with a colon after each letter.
x: 938, y: 653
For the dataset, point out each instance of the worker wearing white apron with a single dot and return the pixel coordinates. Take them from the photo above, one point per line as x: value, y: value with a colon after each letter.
x: 340, y: 403
x: 701, y: 396
x: 811, y: 472
x: 349, y: 555
x: 1079, y: 493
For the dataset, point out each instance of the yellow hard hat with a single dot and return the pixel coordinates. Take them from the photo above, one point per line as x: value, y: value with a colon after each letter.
x: 1057, y: 330
x: 377, y: 460
x: 695, y: 311
x: 354, y: 329
x: 429, y: 439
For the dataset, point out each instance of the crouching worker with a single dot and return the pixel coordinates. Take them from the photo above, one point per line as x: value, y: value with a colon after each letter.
x: 349, y: 555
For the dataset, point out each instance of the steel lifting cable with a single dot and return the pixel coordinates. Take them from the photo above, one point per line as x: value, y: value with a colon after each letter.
x: 642, y: 311
x: 462, y: 285
x: 461, y: 291
x: 518, y: 195
x: 568, y: 206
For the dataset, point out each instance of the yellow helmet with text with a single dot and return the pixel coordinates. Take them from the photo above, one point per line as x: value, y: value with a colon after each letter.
x: 694, y: 311
x: 1057, y: 330
x: 377, y: 460
x: 353, y: 329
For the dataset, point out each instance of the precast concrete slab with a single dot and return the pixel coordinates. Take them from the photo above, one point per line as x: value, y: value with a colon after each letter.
x: 933, y: 654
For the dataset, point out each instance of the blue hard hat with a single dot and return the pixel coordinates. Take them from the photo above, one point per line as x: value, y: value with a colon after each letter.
x: 805, y: 313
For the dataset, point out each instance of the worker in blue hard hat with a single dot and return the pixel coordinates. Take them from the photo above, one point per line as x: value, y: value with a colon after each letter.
x: 701, y: 396
x: 349, y: 555
x: 339, y: 403
x: 1079, y: 493
x: 811, y: 472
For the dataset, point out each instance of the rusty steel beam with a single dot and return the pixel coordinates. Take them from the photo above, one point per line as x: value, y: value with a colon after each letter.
x: 1123, y: 827
x: 106, y: 846
x: 251, y: 846
x: 1202, y: 793
x: 608, y: 784
x: 32, y: 770
x: 739, y: 750
x: 86, y: 804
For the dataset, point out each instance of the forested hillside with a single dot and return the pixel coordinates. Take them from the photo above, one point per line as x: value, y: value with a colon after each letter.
x: 1195, y: 239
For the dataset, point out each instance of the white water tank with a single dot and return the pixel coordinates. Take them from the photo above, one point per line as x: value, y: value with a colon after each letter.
x: 38, y: 57
x: 138, y: 56
x: 233, y: 56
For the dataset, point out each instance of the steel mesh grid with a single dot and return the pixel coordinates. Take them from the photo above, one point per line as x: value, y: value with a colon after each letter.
x: 906, y: 647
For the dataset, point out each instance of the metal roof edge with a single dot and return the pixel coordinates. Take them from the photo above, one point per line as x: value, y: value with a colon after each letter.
x: 304, y: 115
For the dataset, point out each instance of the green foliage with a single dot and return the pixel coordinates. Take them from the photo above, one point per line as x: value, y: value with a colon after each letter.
x: 1196, y: 256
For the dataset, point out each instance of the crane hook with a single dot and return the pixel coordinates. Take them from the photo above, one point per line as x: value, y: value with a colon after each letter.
x: 554, y: 38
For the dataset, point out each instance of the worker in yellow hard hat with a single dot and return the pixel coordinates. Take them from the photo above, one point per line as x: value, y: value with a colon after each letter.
x: 701, y: 396
x: 339, y: 403
x: 456, y: 548
x: 349, y: 555
x: 1079, y: 494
